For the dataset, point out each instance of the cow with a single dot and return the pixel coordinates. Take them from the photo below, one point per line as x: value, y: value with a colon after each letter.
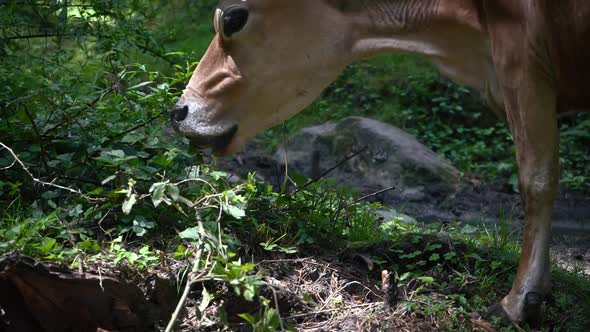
x: 269, y: 59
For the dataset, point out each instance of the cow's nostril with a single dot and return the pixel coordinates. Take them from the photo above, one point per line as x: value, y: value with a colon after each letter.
x: 179, y: 114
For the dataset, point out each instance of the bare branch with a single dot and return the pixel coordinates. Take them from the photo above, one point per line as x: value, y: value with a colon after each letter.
x: 41, y: 182
x: 375, y: 194
x: 35, y: 36
x: 316, y: 179
x: 88, y: 106
x: 139, y: 126
x: 39, y: 136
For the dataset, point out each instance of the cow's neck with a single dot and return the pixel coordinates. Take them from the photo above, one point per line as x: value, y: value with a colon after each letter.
x: 445, y: 31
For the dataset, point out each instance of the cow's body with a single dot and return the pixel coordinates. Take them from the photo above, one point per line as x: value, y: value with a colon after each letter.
x: 556, y: 40
x: 568, y: 28
x: 530, y: 58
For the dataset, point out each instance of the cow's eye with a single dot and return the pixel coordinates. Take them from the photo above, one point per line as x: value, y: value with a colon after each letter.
x: 234, y: 20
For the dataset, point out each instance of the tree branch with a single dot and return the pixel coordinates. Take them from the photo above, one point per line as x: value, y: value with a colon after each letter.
x: 40, y: 35
x: 139, y: 126
x: 317, y: 178
x: 41, y: 182
x: 39, y: 136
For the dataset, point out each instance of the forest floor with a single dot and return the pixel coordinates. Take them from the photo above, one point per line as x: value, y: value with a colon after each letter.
x: 479, y: 202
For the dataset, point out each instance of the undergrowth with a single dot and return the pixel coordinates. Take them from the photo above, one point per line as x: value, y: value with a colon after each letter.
x: 90, y: 174
x: 443, y: 273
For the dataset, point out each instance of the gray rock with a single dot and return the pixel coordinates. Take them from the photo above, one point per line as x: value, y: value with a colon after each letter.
x: 390, y: 157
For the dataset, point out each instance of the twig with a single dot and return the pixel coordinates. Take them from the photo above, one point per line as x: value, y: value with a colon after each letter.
x: 41, y: 182
x: 276, y: 299
x: 187, y: 289
x: 103, y: 219
x: 365, y: 305
x: 87, y: 106
x: 154, y: 52
x: 286, y: 159
x: 331, y: 296
x: 317, y: 178
x: 8, y: 167
x: 139, y: 126
x: 193, y: 277
x: 42, y: 35
x: 337, y: 165
x: 375, y: 194
x: 39, y: 136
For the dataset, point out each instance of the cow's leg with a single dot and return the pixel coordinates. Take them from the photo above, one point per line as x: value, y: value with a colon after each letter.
x: 533, y: 121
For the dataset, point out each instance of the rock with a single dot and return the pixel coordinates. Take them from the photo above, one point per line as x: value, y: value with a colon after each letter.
x: 394, y: 157
x: 389, y: 157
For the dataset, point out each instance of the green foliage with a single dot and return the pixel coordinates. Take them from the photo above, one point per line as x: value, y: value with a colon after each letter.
x: 268, y: 321
x: 86, y: 88
x: 316, y: 213
x: 35, y: 236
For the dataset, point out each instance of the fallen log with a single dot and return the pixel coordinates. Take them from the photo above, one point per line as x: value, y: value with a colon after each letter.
x: 37, y: 296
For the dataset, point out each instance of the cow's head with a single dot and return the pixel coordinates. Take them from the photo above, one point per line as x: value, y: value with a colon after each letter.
x: 269, y: 60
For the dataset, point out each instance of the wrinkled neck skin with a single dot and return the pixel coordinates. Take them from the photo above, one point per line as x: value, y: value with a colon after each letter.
x: 447, y: 32
x: 409, y: 25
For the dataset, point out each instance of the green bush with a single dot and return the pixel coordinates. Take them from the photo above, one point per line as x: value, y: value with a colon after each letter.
x: 90, y: 172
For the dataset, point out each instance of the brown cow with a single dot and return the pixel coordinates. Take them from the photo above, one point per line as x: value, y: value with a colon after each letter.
x: 530, y: 58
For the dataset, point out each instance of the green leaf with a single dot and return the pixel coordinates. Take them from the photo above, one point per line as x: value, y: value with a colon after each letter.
x: 95, y: 192
x: 109, y: 179
x: 145, y: 250
x: 468, y: 229
x: 405, y: 276
x: 190, y: 233
x: 217, y: 175
x: 89, y: 245
x: 249, y: 292
x: 450, y: 255
x: 157, y: 191
x: 47, y: 245
x: 299, y: 179
x: 247, y: 267
x: 272, y: 320
x: 181, y: 252
x: 205, y: 300
x: 139, y: 231
x: 140, y: 85
x: 433, y: 246
x: 235, y: 211
x: 173, y: 192
x: 133, y: 138
x: 248, y: 318
x: 129, y: 203
x: 428, y: 280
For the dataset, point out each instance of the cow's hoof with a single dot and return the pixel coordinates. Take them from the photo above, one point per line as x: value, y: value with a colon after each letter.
x: 519, y: 309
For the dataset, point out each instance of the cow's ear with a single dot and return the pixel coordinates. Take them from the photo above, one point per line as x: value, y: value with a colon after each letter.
x: 345, y: 6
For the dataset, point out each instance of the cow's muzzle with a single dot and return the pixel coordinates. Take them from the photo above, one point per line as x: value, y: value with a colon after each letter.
x: 199, y: 132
